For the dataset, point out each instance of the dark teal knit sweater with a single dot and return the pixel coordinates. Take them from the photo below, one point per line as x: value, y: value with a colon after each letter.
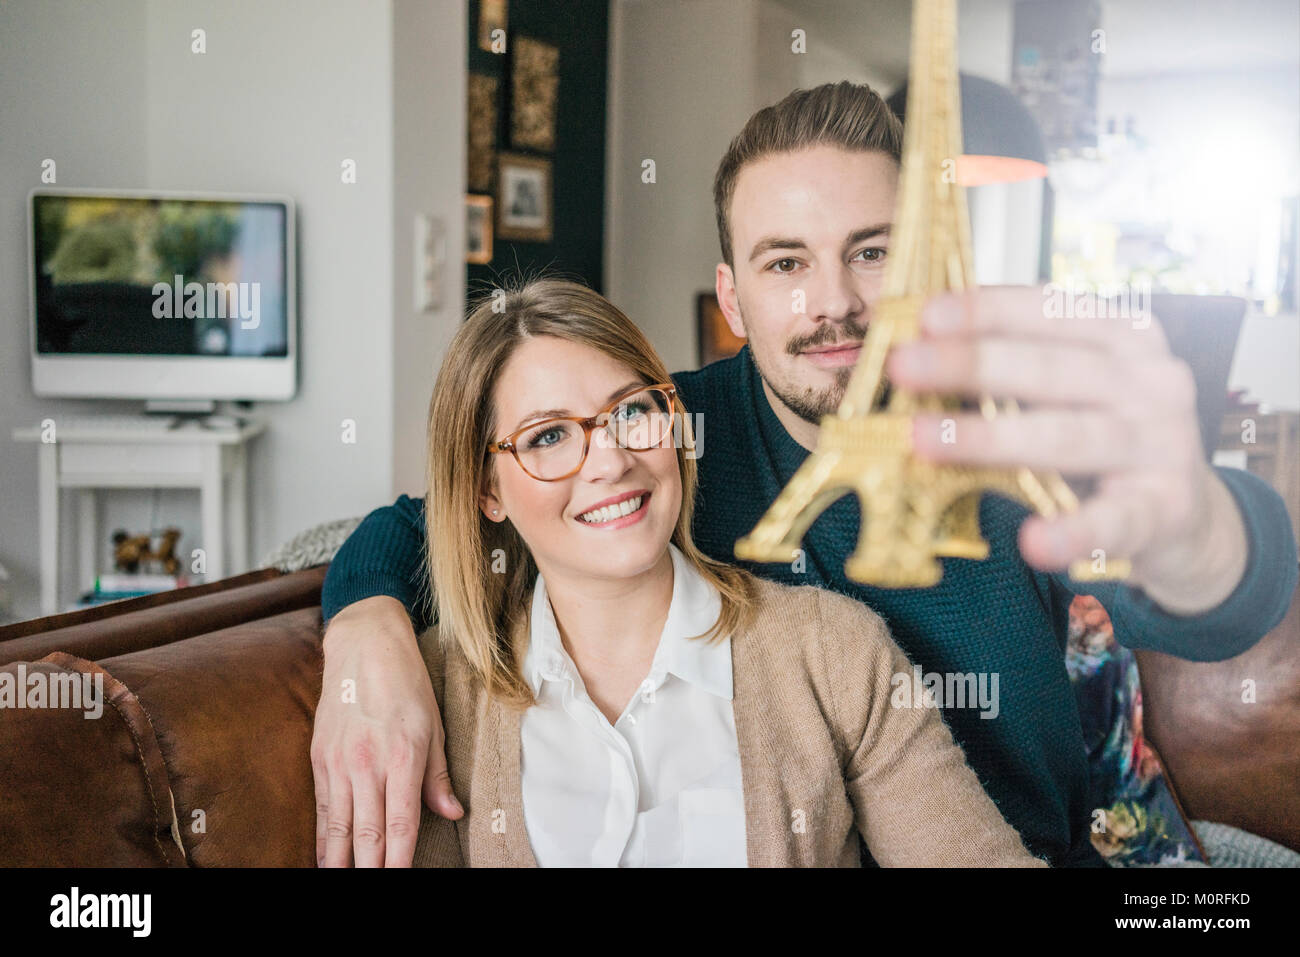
x: 996, y: 616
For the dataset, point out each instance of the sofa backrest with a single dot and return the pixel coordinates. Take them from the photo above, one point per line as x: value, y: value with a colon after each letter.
x: 151, y: 620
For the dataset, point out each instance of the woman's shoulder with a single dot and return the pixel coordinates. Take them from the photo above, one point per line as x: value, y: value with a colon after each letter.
x: 829, y: 636
x: 839, y: 649
x: 814, y: 612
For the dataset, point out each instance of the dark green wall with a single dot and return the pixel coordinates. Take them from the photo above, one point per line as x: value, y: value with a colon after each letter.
x: 579, y: 28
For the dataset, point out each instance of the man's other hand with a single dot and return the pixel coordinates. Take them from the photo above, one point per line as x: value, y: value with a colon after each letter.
x: 378, y: 741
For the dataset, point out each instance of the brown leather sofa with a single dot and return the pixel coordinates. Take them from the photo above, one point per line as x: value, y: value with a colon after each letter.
x: 201, y: 757
x: 1232, y: 750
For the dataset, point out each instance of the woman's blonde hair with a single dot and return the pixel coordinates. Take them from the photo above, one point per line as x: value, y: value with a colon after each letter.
x: 481, y: 571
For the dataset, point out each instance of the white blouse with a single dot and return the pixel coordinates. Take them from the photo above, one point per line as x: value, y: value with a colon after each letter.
x: 660, y: 787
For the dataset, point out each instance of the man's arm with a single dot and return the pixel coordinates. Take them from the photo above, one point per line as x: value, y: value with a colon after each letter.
x: 1257, y: 603
x: 384, y: 555
x: 378, y: 738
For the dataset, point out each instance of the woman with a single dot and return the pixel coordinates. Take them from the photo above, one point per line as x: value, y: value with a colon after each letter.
x: 610, y: 695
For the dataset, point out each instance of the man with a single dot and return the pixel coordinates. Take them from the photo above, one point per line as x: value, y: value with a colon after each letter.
x: 804, y: 199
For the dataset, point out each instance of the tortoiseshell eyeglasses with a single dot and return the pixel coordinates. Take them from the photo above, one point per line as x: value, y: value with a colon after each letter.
x: 554, y: 449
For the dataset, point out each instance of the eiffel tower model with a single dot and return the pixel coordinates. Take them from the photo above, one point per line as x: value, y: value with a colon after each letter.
x: 913, y: 512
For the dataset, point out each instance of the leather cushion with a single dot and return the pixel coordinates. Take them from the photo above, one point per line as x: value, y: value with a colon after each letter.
x: 83, y: 791
x: 233, y: 712
x: 1231, y: 760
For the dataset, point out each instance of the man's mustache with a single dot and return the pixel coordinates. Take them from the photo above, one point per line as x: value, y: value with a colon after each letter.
x: 846, y: 332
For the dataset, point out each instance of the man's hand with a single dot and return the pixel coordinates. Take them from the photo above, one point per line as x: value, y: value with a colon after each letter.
x: 1104, y: 398
x: 378, y: 735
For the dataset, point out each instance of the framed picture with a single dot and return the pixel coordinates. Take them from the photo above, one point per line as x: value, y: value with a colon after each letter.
x: 535, y: 84
x: 524, y: 198
x: 716, y: 340
x: 491, y: 16
x: 478, y: 229
x: 481, y: 120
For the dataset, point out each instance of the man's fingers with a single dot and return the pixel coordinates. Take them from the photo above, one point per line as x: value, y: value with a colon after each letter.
x: 1029, y: 370
x: 338, y: 825
x: 1045, y: 373
x: 402, y: 806
x: 1079, y: 442
x: 437, y: 782
x: 1114, y: 526
x: 1046, y: 312
x: 367, y: 812
x: 320, y: 782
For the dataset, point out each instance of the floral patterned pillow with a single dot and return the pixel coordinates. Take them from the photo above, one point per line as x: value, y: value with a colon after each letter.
x: 1136, y: 820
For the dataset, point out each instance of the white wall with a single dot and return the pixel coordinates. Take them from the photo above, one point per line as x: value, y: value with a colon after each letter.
x: 285, y: 92
x: 72, y: 89
x: 829, y: 58
x: 682, y: 87
x: 1267, y: 361
x: 429, y: 67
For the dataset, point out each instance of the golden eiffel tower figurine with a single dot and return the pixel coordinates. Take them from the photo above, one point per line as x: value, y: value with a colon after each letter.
x: 913, y: 512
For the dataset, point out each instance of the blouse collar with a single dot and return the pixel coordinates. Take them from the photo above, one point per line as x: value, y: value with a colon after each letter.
x: 695, y: 607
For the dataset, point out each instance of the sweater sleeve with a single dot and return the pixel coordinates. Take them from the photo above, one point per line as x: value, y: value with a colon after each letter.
x: 1257, y: 604
x: 916, y: 801
x: 384, y: 555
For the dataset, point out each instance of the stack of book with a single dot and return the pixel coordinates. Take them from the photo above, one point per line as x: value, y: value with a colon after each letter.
x: 115, y: 587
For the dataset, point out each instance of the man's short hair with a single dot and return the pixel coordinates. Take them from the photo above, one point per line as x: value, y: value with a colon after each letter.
x: 848, y: 115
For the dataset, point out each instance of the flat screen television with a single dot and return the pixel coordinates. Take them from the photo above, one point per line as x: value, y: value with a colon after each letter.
x: 149, y: 295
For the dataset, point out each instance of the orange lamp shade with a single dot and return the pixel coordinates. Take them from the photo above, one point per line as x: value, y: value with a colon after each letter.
x: 976, y: 170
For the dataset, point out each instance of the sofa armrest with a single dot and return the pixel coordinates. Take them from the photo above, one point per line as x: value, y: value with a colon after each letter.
x: 200, y: 753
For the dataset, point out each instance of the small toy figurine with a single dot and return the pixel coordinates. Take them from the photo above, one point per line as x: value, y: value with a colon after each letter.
x: 129, y: 551
x: 166, y: 553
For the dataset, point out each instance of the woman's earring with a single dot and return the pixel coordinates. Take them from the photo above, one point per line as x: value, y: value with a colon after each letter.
x: 494, y: 511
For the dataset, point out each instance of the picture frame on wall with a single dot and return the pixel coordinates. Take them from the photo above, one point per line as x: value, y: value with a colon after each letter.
x: 524, y: 198
x: 478, y: 229
x: 714, y: 337
x: 481, y: 116
x: 535, y: 84
x: 492, y: 16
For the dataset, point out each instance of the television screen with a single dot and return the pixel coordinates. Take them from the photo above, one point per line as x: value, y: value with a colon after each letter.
x: 156, y: 276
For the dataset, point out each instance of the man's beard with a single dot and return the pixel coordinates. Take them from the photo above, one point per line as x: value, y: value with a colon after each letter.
x: 810, y: 404
x: 813, y: 405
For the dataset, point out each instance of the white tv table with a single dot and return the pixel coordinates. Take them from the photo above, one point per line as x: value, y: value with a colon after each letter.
x: 87, y: 454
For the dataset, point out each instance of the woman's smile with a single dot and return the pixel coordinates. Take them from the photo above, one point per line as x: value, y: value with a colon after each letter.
x: 619, y: 511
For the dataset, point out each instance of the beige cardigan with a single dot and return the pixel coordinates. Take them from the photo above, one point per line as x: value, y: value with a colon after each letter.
x: 823, y: 753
